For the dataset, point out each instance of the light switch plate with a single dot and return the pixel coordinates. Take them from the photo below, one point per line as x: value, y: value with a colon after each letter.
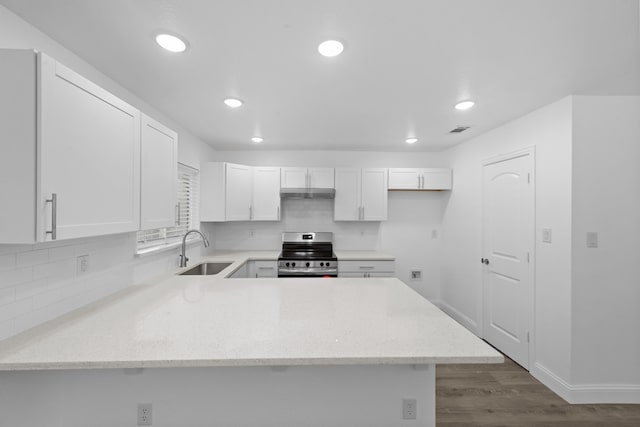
x: 546, y: 235
x: 592, y: 239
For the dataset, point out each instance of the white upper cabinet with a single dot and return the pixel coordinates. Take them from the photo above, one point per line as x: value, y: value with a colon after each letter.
x: 266, y: 194
x: 159, y: 174
x: 239, y: 192
x: 419, y: 179
x: 231, y: 192
x: 361, y: 194
x: 307, y: 178
x: 70, y: 155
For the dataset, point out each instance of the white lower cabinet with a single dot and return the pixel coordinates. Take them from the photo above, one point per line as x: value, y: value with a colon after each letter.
x: 70, y: 154
x: 159, y: 174
x: 261, y: 269
x: 361, y: 194
x: 366, y: 268
x: 241, y: 273
x: 232, y: 192
x: 256, y: 269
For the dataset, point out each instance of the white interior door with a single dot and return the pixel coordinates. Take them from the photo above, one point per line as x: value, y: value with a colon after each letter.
x: 507, y: 246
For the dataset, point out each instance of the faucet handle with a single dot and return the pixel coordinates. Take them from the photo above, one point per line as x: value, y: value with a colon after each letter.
x: 183, y: 260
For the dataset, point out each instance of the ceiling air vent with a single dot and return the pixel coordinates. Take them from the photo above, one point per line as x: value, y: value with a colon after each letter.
x: 459, y: 129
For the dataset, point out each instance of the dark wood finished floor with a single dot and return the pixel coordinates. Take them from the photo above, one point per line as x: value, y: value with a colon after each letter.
x: 507, y: 395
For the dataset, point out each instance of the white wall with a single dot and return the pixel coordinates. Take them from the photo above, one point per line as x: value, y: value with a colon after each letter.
x: 309, y: 396
x: 39, y: 282
x: 606, y: 199
x: 413, y: 217
x: 549, y: 131
x: 586, y: 177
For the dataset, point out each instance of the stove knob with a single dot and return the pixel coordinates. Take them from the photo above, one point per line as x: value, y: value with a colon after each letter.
x: 308, y: 264
x: 293, y: 264
x: 327, y: 264
x: 287, y: 264
x: 322, y: 264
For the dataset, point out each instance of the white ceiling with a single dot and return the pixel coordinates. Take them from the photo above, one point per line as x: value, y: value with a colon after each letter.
x: 405, y: 64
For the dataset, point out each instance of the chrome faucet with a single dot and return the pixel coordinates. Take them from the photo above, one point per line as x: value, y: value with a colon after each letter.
x: 183, y: 255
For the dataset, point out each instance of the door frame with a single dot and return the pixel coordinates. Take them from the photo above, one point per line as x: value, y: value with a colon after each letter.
x: 528, y: 151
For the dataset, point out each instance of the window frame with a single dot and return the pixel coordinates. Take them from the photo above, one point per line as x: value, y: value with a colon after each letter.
x: 187, y: 206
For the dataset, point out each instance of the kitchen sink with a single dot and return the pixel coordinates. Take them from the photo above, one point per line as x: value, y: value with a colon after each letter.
x: 206, y: 269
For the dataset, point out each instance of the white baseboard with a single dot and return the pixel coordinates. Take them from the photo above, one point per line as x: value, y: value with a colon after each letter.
x: 586, y: 393
x: 461, y: 318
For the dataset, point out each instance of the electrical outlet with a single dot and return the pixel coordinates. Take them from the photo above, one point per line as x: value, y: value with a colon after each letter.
x: 252, y: 233
x: 434, y: 234
x: 592, y: 239
x: 82, y: 264
x: 409, y: 409
x: 144, y: 414
x: 416, y: 275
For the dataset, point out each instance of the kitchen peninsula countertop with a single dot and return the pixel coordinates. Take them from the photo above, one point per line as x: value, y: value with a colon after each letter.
x: 201, y: 321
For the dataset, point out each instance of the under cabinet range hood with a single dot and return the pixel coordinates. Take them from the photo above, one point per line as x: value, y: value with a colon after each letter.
x: 308, y: 193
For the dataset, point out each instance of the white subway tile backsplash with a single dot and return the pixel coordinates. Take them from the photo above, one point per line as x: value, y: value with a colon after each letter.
x: 14, y: 277
x: 47, y: 298
x: 11, y: 310
x: 29, y: 289
x: 26, y: 259
x: 61, y: 269
x: 7, y: 261
x: 6, y: 329
x: 62, y: 252
x: 40, y: 282
x: 7, y: 295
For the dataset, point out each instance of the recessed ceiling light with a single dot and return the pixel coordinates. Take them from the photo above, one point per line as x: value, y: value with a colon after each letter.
x: 171, y: 43
x: 411, y: 140
x: 464, y: 105
x: 257, y: 139
x: 233, y: 102
x: 330, y: 48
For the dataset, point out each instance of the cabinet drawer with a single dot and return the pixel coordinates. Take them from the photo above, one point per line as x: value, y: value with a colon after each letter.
x: 363, y: 266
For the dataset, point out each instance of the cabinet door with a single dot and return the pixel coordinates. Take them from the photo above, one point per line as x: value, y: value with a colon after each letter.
x: 159, y: 170
x: 321, y: 178
x: 437, y: 179
x: 264, y: 269
x: 293, y: 178
x: 374, y: 194
x: 266, y: 194
x: 404, y: 179
x: 89, y: 155
x: 238, y: 192
x: 347, y: 205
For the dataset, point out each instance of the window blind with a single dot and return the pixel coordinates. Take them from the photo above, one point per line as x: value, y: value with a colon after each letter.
x: 186, y: 211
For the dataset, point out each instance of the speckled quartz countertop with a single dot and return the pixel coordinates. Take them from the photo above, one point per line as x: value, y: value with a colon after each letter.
x: 196, y: 321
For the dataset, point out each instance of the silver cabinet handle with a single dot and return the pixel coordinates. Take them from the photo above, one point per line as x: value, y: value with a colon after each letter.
x: 278, y: 213
x: 422, y: 181
x: 363, y: 212
x: 54, y: 216
x: 250, y: 212
x: 419, y: 181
